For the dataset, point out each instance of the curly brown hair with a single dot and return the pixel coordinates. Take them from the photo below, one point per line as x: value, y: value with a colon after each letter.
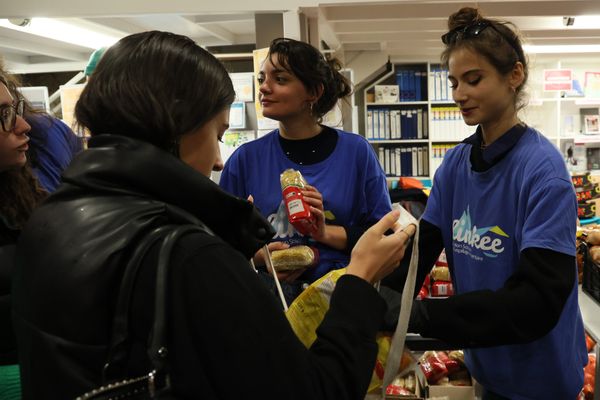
x: 20, y: 191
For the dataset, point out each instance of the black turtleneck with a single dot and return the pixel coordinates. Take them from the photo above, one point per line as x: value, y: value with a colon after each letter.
x: 312, y: 150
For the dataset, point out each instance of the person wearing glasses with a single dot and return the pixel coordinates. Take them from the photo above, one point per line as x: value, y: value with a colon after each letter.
x: 147, y: 169
x: 347, y: 187
x: 52, y: 143
x: 503, y: 207
x: 19, y: 195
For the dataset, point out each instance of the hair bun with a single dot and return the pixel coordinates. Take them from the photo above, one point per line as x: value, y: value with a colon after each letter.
x: 463, y: 17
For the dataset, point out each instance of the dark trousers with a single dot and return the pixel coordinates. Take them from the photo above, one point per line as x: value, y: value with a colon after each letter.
x: 290, y: 290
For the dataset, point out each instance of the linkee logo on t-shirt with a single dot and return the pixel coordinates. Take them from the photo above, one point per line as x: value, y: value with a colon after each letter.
x: 284, y: 230
x: 470, y: 240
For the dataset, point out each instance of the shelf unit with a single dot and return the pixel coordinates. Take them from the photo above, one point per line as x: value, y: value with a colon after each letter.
x: 439, y: 125
x: 555, y: 116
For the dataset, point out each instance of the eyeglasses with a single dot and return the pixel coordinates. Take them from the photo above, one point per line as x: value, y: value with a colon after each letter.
x: 473, y: 30
x: 8, y: 115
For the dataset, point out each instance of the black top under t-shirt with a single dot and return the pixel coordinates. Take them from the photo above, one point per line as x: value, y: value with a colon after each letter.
x: 312, y: 150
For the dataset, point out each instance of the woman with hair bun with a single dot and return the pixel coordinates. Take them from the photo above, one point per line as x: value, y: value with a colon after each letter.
x: 347, y: 189
x: 504, y: 209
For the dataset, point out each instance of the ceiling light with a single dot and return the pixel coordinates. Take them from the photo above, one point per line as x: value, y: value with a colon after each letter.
x: 19, y: 21
x: 587, y: 22
x: 65, y: 31
x: 555, y: 49
x: 568, y: 21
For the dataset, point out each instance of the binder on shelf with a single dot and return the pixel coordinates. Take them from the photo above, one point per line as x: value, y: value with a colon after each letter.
x: 404, y: 164
x: 380, y: 124
x: 387, y: 161
x: 426, y: 161
x: 386, y: 124
x: 418, y: 83
x: 397, y: 152
x: 413, y: 85
x: 436, y: 84
x: 370, y: 131
x: 414, y: 158
x: 400, y: 82
x: 442, y: 85
x: 420, y: 161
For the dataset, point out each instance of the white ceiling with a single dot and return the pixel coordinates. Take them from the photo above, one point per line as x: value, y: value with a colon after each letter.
x: 401, y: 29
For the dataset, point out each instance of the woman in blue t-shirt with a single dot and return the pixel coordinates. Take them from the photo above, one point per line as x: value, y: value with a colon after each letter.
x: 504, y: 209
x: 347, y: 191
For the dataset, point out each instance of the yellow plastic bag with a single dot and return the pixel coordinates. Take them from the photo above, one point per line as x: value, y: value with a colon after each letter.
x: 308, y: 310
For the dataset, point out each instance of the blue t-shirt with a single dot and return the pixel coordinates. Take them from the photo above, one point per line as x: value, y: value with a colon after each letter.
x: 351, y: 181
x: 487, y: 219
x: 55, y: 145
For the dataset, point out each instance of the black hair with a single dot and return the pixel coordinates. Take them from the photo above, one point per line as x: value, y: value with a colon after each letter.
x: 313, y: 70
x: 501, y: 44
x: 154, y: 86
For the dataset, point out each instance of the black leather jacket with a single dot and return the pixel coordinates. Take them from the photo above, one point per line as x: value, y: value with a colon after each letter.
x: 74, y: 249
x: 227, y: 335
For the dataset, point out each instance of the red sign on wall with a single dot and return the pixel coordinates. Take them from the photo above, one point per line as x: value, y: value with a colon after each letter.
x: 558, y: 80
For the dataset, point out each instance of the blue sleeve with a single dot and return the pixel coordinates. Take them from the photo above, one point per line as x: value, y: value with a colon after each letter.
x: 74, y: 142
x: 232, y: 177
x: 378, y: 196
x: 433, y: 213
x: 551, y: 217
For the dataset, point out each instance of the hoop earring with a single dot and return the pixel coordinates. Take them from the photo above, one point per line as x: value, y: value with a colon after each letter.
x: 310, y: 106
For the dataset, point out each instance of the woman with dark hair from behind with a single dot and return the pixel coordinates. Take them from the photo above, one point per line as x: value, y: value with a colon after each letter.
x: 503, y: 207
x: 347, y: 189
x: 53, y: 144
x: 157, y: 106
x: 19, y: 195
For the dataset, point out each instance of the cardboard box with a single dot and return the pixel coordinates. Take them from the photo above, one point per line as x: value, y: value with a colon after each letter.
x: 452, y: 392
x: 387, y: 93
